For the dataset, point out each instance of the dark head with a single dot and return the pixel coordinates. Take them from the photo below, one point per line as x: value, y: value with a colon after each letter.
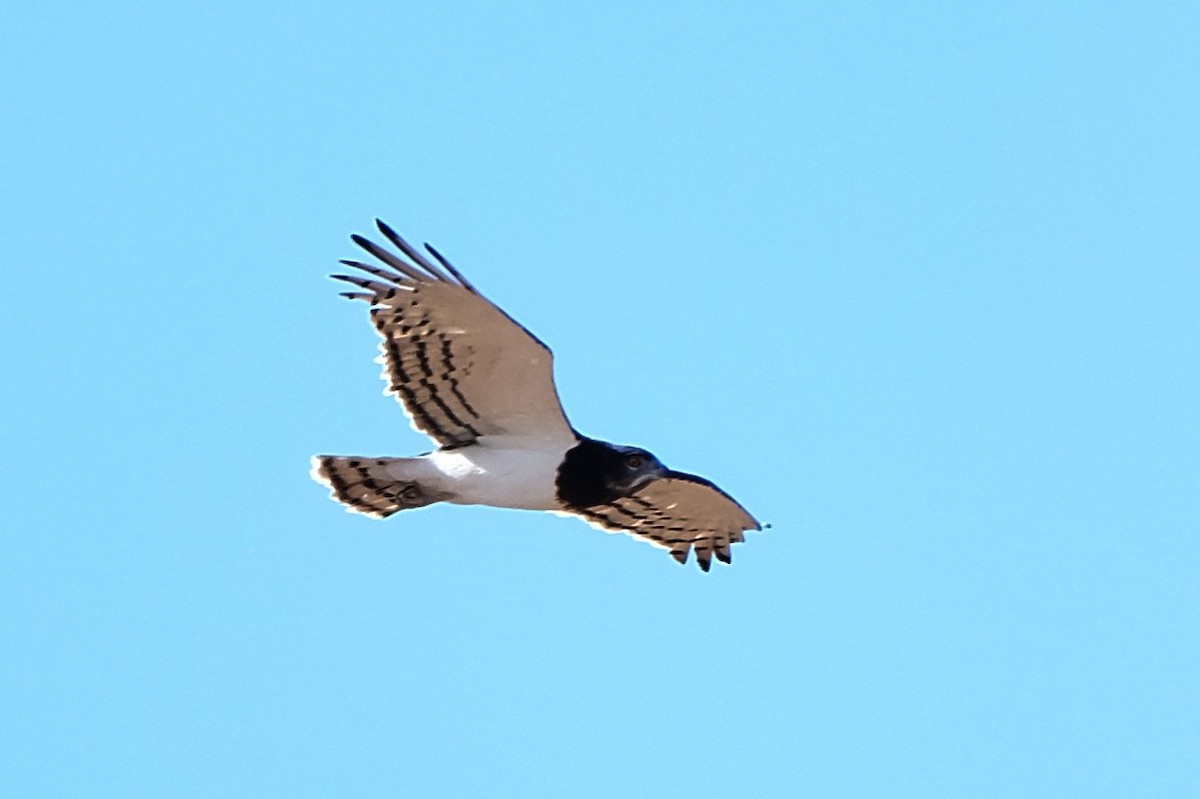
x: 595, y: 472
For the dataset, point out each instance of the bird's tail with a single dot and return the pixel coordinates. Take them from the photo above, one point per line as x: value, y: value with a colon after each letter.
x: 375, y: 486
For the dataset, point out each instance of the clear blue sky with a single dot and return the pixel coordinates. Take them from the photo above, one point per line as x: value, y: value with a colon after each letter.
x: 918, y: 283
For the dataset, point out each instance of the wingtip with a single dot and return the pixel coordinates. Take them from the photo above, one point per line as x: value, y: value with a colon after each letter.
x: 441, y: 259
x: 725, y: 557
x: 429, y: 248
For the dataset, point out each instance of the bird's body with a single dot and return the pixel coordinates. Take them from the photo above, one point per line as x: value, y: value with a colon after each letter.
x: 481, y: 386
x: 501, y: 471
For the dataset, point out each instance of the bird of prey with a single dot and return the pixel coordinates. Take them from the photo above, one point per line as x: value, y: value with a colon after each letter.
x: 482, y: 387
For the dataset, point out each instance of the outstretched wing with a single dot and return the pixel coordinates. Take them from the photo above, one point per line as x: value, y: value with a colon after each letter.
x: 678, y: 512
x: 461, y: 367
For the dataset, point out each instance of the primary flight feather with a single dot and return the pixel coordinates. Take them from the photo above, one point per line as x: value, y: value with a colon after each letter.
x: 482, y: 387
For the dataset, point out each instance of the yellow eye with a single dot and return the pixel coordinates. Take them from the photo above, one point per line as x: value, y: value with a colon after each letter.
x: 633, y: 461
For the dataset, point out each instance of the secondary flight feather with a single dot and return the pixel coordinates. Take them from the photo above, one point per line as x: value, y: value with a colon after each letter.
x: 482, y: 387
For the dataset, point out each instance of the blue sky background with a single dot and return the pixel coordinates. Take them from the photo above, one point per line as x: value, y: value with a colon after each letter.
x: 918, y: 283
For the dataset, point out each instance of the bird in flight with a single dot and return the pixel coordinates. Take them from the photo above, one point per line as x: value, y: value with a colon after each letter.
x: 482, y: 387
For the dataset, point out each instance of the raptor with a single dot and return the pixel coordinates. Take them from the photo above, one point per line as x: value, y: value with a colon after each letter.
x: 481, y: 387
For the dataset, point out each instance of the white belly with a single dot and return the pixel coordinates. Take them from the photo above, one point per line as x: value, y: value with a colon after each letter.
x: 499, y: 474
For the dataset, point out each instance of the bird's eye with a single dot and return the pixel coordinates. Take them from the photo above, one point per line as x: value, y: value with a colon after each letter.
x: 633, y: 461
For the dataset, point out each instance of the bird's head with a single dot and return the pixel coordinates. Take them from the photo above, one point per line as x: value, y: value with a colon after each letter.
x: 596, y: 472
x: 632, y: 468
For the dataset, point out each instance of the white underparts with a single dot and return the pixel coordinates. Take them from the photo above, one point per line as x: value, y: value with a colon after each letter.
x: 507, y: 473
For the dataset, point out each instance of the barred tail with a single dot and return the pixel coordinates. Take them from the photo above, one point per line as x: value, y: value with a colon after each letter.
x: 375, y: 487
